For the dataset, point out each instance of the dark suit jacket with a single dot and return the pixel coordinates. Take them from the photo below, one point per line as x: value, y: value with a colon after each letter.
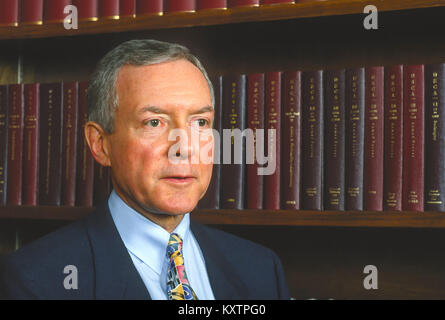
x: 237, y: 268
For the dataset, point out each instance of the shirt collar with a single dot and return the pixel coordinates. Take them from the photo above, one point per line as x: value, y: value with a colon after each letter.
x: 142, y: 237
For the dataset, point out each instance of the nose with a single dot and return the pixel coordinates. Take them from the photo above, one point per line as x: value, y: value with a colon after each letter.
x: 183, y: 146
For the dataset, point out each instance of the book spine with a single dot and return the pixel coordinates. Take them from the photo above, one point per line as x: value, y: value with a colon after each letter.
x: 180, y: 6
x: 354, y: 140
x: 32, y: 12
x: 53, y: 10
x: 334, y: 153
x: 273, y: 134
x: 255, y: 121
x: 87, y: 10
x: 69, y: 144
x: 85, y: 160
x: 435, y: 137
x: 127, y: 8
x: 234, y: 124
x: 109, y: 9
x: 102, y: 183
x: 9, y: 13
x: 211, y: 199
x: 392, y: 189
x: 15, y: 144
x: 291, y: 141
x: 373, y: 175
x: 211, y: 4
x: 267, y: 2
x: 3, y: 142
x: 149, y: 7
x: 50, y: 151
x: 312, y: 140
x: 31, y: 144
x: 243, y: 3
x: 413, y: 132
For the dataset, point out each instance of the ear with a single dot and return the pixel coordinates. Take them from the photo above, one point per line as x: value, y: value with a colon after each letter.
x: 97, y: 140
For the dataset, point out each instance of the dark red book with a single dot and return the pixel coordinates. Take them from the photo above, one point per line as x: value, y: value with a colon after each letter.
x: 31, y: 144
x: 9, y: 13
x: 266, y: 2
x: 312, y: 141
x: 392, y: 189
x: 127, y: 8
x: 373, y: 175
x: 102, y: 183
x: 354, y: 140
x: 211, y: 4
x: 243, y: 3
x: 413, y: 138
x: 109, y: 9
x: 3, y: 142
x: 50, y: 151
x: 334, y: 141
x: 149, y: 7
x: 85, y: 160
x: 272, y: 125
x: 255, y: 121
x: 233, y: 167
x: 53, y: 10
x: 87, y: 10
x: 291, y: 141
x: 31, y: 12
x: 172, y: 6
x: 69, y: 143
x: 435, y: 137
x: 211, y: 199
x: 15, y: 144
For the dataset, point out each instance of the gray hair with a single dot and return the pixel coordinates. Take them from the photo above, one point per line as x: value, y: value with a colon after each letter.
x: 102, y: 99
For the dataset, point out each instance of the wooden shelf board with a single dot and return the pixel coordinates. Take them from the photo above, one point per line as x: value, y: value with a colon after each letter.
x: 258, y: 217
x: 216, y: 17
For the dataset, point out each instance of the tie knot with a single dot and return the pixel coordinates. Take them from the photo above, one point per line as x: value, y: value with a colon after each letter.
x: 174, y: 245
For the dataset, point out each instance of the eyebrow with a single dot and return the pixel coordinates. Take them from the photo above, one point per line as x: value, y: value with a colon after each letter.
x: 158, y: 110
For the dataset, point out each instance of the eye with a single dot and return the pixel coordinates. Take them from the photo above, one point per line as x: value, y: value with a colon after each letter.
x: 202, y: 122
x: 154, y: 123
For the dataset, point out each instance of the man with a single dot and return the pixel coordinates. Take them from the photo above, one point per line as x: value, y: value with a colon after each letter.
x: 141, y: 243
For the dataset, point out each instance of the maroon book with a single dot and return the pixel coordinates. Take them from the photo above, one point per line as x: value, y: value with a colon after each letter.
x: 334, y: 141
x: 373, y: 175
x: 255, y: 121
x: 50, y: 151
x: 85, y: 160
x: 87, y: 10
x: 15, y: 144
x: 291, y: 141
x: 312, y: 141
x: 31, y: 144
x: 109, y: 9
x: 211, y: 4
x: 172, y: 6
x: 266, y: 2
x: 53, y: 10
x: 392, y: 189
x: 354, y: 140
x: 127, y: 8
x: 435, y: 137
x: 413, y: 134
x: 9, y: 13
x: 243, y: 3
x: 102, y: 183
x: 149, y: 7
x: 32, y: 12
x: 69, y: 143
x: 3, y: 142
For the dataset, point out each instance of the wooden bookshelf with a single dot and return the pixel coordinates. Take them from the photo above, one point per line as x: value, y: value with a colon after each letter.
x: 217, y: 17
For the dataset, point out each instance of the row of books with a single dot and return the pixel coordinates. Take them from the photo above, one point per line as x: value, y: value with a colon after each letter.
x: 368, y: 138
x: 44, y: 158
x: 23, y: 12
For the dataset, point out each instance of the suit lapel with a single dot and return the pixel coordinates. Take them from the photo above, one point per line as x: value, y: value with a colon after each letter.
x: 225, y: 283
x: 115, y: 274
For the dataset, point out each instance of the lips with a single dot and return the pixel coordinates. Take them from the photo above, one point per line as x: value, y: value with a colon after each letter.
x: 179, y: 179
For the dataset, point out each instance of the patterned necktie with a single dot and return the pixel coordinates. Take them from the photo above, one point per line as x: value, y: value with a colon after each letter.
x: 178, y: 286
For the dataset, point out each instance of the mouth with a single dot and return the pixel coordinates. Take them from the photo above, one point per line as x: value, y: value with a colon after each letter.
x: 179, y: 179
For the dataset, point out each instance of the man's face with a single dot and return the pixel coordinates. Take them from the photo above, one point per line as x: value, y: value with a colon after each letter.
x: 153, y: 102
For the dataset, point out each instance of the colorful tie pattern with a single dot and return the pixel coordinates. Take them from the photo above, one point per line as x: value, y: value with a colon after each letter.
x: 178, y: 286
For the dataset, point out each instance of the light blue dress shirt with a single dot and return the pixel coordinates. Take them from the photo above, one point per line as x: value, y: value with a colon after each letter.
x: 146, y: 243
